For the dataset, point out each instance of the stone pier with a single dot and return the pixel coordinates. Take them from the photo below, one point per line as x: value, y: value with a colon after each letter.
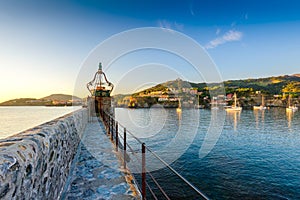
x: 96, y: 170
x: 66, y: 158
x: 35, y: 164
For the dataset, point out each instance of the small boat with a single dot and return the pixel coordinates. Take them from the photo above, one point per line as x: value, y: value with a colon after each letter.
x: 262, y: 106
x: 259, y: 107
x: 291, y: 108
x: 234, y: 107
x: 214, y: 108
x: 199, y: 106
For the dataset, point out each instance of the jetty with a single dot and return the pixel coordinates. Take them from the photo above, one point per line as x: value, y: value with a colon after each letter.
x: 95, y: 171
x: 84, y: 155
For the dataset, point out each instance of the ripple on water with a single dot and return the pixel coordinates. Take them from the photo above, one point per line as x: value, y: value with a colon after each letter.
x: 256, y: 157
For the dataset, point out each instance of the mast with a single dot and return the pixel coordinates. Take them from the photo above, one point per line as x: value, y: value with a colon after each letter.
x: 234, y: 99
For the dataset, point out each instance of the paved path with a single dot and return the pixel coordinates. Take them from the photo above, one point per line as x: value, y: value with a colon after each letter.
x: 95, y: 172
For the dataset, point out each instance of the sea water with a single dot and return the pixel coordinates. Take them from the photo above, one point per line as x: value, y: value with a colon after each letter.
x: 14, y: 119
x: 256, y: 156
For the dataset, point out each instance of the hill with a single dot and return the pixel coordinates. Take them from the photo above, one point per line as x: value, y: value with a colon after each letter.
x: 51, y: 100
x: 297, y: 75
x: 269, y: 85
x: 247, y: 89
x: 22, y: 102
x: 60, y: 97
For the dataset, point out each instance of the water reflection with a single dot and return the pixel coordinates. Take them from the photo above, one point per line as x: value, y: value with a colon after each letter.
x: 179, y: 116
x: 262, y: 162
x: 289, y: 117
x: 259, y: 117
x: 235, y: 117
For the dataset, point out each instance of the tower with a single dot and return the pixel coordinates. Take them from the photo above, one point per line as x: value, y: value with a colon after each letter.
x: 100, y: 89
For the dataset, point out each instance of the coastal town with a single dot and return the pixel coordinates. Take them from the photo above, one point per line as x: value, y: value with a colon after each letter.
x: 280, y: 92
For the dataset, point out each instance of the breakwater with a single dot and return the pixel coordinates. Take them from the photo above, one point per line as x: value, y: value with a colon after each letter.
x: 96, y: 172
x: 35, y: 164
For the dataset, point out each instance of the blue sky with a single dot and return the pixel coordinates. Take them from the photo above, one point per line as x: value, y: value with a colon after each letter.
x: 44, y: 43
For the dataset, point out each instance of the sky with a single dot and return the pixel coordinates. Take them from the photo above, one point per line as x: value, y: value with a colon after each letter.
x: 45, y: 44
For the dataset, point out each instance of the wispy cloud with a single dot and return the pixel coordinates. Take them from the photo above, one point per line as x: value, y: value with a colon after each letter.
x: 229, y: 36
x: 191, y: 8
x: 164, y: 24
x: 169, y: 25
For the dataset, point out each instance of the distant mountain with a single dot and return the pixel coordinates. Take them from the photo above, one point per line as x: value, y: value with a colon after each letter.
x: 60, y: 97
x: 298, y: 75
x: 51, y: 100
x: 19, y: 102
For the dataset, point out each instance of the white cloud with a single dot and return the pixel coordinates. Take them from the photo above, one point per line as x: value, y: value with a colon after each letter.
x: 169, y: 25
x: 192, y: 9
x: 164, y: 24
x: 229, y: 36
x: 218, y: 31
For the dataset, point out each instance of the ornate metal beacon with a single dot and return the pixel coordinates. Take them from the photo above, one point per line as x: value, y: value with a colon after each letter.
x: 100, y: 89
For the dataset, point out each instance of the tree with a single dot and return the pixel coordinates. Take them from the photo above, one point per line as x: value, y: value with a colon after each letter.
x: 292, y: 87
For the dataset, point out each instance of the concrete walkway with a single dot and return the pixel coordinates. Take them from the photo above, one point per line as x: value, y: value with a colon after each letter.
x: 95, y: 171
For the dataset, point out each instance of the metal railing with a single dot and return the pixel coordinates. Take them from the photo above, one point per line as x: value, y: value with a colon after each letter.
x: 146, y: 178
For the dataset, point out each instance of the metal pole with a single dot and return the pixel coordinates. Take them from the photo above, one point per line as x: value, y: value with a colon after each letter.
x: 108, y: 127
x: 143, y: 171
x: 124, y: 156
x: 117, y: 137
x: 112, y: 130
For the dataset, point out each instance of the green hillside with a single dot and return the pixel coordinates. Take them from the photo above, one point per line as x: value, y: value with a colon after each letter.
x: 248, y: 90
x: 270, y: 85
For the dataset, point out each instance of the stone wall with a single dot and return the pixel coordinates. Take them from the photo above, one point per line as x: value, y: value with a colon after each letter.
x: 35, y: 164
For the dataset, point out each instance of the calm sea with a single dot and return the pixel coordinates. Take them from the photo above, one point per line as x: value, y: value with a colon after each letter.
x: 256, y: 155
x: 14, y: 119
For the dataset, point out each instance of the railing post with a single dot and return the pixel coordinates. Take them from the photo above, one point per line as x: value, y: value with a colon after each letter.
x: 103, y: 118
x: 143, y: 171
x: 117, y: 137
x: 108, y: 125
x: 106, y: 120
x: 112, y: 130
x: 124, y: 143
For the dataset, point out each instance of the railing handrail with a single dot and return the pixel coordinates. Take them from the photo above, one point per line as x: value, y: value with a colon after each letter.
x: 136, y: 138
x: 179, y: 175
x: 114, y: 122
